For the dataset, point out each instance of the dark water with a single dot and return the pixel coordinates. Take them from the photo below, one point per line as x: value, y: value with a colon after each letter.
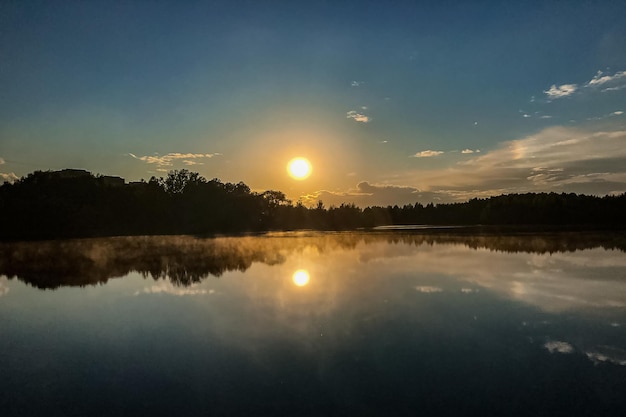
x: 380, y: 324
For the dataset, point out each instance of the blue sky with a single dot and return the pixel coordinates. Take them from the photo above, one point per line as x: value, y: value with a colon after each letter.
x: 392, y: 102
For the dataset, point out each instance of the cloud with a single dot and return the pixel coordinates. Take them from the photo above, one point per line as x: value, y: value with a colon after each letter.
x: 560, y: 159
x: 8, y: 177
x: 545, y: 116
x: 2, y: 161
x: 610, y: 354
x: 368, y: 194
x: 357, y: 117
x: 169, y: 288
x: 557, y: 158
x: 170, y: 158
x: 190, y: 163
x: 561, y: 91
x: 605, y: 82
x: 559, y: 347
x: 428, y: 289
x: 604, y: 116
x: 356, y: 83
x: 468, y: 151
x: 600, y: 79
x: 426, y: 154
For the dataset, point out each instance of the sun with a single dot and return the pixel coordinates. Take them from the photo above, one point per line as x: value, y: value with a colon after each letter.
x: 300, y: 277
x: 299, y: 168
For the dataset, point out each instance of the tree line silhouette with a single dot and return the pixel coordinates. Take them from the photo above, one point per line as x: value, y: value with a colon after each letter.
x: 76, y: 203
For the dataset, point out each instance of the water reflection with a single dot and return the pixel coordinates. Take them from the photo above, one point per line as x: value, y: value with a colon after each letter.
x: 315, y: 324
x: 186, y: 260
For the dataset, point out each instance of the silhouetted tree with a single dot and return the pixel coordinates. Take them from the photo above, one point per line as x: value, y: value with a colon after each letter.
x: 72, y: 203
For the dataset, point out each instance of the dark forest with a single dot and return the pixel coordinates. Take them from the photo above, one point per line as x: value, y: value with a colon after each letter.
x: 76, y: 203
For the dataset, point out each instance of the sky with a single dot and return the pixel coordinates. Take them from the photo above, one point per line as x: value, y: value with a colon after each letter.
x: 391, y: 102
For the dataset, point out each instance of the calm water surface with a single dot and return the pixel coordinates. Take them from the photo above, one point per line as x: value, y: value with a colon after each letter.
x: 388, y: 323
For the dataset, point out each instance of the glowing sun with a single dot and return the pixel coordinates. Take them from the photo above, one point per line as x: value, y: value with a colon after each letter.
x: 300, y: 277
x: 299, y: 168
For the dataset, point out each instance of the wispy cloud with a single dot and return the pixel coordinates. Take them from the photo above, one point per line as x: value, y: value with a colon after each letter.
x: 356, y: 83
x: 561, y: 91
x: 426, y: 289
x: 357, y: 117
x: 610, y: 354
x: 600, y: 79
x: 8, y: 177
x: 558, y: 347
x: 426, y: 154
x: 605, y: 116
x: 169, y: 288
x: 605, y: 82
x: 468, y: 151
x: 555, y: 159
x: 190, y: 163
x: 170, y: 158
x: 1, y: 161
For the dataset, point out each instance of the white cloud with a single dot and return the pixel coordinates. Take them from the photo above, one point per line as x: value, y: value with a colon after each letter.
x: 468, y: 151
x: 169, y: 159
x: 545, y: 116
x: 426, y: 289
x: 526, y: 115
x: 8, y: 177
x: 426, y: 154
x: 561, y: 91
x: 607, y: 354
x: 357, y: 117
x: 617, y: 113
x: 560, y: 159
x: 606, y: 82
x: 190, y: 163
x: 557, y: 158
x: 560, y: 347
x: 357, y: 83
x: 600, y: 79
x: 169, y: 288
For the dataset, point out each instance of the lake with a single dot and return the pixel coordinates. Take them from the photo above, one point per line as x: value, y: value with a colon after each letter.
x: 395, y: 323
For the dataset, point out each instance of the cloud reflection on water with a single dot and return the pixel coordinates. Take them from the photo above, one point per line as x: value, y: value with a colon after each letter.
x: 554, y: 272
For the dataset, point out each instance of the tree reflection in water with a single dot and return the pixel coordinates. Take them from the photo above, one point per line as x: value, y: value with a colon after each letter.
x: 185, y: 260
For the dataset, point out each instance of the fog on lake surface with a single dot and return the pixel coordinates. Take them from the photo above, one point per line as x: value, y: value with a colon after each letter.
x: 392, y: 322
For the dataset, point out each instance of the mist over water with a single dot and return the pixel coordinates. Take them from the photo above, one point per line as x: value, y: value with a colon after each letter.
x: 392, y: 323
